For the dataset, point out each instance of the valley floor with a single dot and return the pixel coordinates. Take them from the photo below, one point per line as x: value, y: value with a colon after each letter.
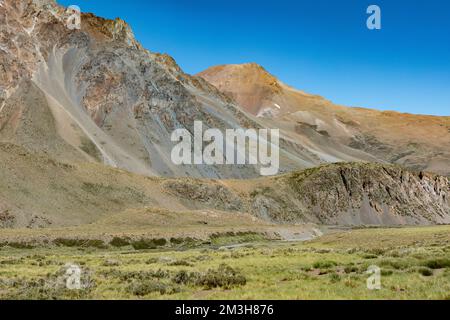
x: 414, y: 262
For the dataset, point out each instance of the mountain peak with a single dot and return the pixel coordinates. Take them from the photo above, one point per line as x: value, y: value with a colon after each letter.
x: 249, y: 84
x: 252, y: 69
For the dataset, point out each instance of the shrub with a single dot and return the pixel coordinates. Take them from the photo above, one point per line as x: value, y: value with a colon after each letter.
x: 111, y: 263
x: 142, y: 276
x: 203, y: 258
x: 20, y: 245
x: 324, y: 264
x: 184, y: 277
x: 370, y: 256
x: 223, y: 277
x: 376, y: 251
x: 387, y: 272
x: 143, y: 244
x: 68, y: 242
x: 160, y: 242
x: 334, y: 277
x: 95, y: 243
x: 180, y: 263
x: 120, y: 242
x: 185, y: 242
x: 143, y: 288
x: 396, y: 264
x: 63, y: 242
x: 176, y: 240
x: 151, y: 261
x: 181, y: 277
x: 438, y: 263
x: 426, y: 272
x: 350, y: 269
x: 50, y: 287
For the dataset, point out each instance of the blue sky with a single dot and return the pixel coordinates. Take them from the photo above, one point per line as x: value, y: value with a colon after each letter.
x: 321, y: 46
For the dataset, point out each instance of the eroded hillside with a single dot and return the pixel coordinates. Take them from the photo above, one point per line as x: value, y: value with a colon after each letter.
x: 96, y: 95
x: 335, y: 132
x: 37, y: 191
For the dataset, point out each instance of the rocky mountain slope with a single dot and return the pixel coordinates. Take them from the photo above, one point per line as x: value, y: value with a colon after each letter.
x: 415, y: 141
x: 37, y: 191
x: 106, y: 99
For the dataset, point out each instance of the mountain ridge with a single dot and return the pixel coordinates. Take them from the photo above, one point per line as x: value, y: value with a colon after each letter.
x: 113, y: 101
x: 420, y: 142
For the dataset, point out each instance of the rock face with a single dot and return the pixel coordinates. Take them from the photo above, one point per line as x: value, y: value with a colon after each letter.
x: 356, y: 194
x: 346, y: 194
x: 334, y: 132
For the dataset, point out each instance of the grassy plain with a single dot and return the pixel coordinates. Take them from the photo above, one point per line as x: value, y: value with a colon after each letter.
x: 414, y: 262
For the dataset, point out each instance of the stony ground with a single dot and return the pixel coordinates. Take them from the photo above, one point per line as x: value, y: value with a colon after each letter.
x: 414, y: 262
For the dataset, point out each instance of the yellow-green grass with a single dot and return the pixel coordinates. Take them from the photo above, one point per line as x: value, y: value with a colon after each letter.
x: 414, y: 262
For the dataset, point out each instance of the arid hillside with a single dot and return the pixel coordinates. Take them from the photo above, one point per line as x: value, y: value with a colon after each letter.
x: 37, y: 191
x: 416, y: 141
x: 96, y: 95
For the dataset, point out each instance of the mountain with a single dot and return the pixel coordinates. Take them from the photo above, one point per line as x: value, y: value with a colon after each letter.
x: 416, y: 141
x: 96, y: 95
x: 86, y: 118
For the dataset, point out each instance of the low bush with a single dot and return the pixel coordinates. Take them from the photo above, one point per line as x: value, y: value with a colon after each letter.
x: 120, y: 242
x: 86, y: 243
x: 20, y: 245
x: 180, y: 263
x: 143, y: 244
x: 324, y: 264
x: 111, y: 263
x: 386, y: 272
x: 438, y: 263
x: 224, y: 277
x: 426, y: 272
x: 334, y: 277
x: 143, y: 288
x: 350, y: 269
x: 397, y: 264
x: 185, y: 278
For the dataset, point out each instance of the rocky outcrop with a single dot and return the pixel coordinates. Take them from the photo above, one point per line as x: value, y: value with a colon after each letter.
x: 345, y: 194
x: 356, y: 194
x: 213, y: 194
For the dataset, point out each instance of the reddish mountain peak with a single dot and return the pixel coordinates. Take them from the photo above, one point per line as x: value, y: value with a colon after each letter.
x: 249, y: 84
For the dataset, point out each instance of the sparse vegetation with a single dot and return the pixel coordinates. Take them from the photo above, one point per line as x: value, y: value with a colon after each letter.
x: 95, y: 243
x: 90, y: 148
x: 438, y: 263
x: 426, y: 272
x: 143, y: 244
x: 324, y: 264
x: 413, y: 261
x: 223, y: 277
x: 222, y: 239
x: 120, y: 242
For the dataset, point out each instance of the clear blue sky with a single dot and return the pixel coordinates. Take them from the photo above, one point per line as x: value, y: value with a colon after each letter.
x: 321, y: 46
